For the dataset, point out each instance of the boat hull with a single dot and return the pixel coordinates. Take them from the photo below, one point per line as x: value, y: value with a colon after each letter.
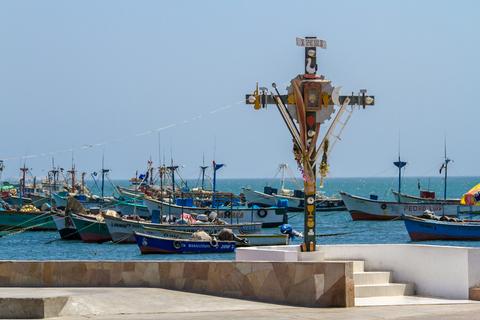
x: 122, y: 230
x: 150, y: 245
x: 294, y: 204
x: 366, y: 209
x: 132, y: 209
x: 17, y: 201
x: 91, y: 230
x: 401, y: 197
x: 61, y: 201
x: 15, y: 220
x: 65, y: 227
x: 251, y: 239
x: 424, y: 230
x: 269, y: 217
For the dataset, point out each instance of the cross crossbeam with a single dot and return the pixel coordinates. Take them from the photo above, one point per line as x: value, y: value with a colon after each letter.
x: 358, y: 99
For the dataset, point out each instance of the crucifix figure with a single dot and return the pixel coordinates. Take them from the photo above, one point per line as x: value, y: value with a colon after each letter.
x: 308, y: 104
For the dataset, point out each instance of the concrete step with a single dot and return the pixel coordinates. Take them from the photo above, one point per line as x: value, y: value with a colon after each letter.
x: 31, y: 306
x: 375, y: 277
x: 384, y: 290
x: 358, y: 265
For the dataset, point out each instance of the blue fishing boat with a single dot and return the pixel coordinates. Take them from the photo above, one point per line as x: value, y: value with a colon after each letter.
x: 421, y: 229
x: 153, y: 244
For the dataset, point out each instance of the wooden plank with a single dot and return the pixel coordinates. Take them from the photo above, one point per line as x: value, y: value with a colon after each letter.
x: 354, y: 100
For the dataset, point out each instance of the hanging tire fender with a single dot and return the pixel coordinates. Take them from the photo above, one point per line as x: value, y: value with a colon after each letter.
x: 214, y: 243
x: 262, y: 213
x: 177, y: 244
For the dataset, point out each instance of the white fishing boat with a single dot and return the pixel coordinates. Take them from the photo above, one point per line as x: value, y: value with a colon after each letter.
x: 292, y: 199
x: 250, y: 239
x: 121, y: 229
x: 367, y: 209
x: 269, y: 217
x: 264, y: 199
x: 402, y: 197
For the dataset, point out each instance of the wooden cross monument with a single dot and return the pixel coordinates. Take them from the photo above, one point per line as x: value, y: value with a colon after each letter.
x: 309, y: 103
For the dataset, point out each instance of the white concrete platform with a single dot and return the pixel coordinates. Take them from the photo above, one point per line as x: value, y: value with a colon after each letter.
x: 439, y: 271
x: 407, y: 300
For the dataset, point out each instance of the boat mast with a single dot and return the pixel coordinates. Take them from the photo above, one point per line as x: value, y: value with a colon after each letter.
x: 104, y: 171
x: 72, y: 173
x: 24, y: 170
x: 283, y: 168
x: 83, y: 182
x: 2, y: 166
x: 214, y: 182
x: 216, y: 166
x: 203, y: 167
x: 150, y: 172
x: 172, y: 169
x: 399, y: 164
x: 54, y: 173
x: 446, y: 161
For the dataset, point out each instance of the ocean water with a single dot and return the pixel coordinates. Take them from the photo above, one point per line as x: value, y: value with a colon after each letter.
x: 332, y: 227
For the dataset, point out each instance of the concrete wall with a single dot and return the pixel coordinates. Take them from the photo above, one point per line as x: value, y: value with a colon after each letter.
x: 311, y: 284
x: 437, y: 271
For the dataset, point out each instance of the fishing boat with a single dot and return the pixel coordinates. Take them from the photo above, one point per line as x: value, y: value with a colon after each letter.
x: 121, y: 229
x: 149, y: 244
x: 423, y: 197
x: 421, y: 229
x: 361, y: 208
x: 227, y: 209
x: 88, y: 201
x: 293, y: 202
x: 20, y: 220
x: 292, y: 199
x: 65, y: 227
x: 132, y: 207
x: 91, y: 229
x: 82, y: 194
x: 249, y: 240
x: 269, y: 217
x: 427, y: 195
x: 372, y: 209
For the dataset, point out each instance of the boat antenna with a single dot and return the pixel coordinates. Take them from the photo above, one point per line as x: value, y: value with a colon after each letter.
x: 399, y: 164
x: 159, y: 150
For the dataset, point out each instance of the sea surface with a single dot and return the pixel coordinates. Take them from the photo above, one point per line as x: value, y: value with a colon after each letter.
x: 332, y: 227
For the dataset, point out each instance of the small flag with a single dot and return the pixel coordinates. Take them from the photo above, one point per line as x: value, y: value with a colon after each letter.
x: 441, y: 168
x: 217, y: 166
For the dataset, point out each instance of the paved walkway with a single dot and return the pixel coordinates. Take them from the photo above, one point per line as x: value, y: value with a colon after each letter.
x: 152, y: 303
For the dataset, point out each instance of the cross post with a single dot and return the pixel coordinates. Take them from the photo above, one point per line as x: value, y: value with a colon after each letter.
x: 308, y: 103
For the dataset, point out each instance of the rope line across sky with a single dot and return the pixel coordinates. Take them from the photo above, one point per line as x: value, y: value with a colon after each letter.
x: 88, y: 146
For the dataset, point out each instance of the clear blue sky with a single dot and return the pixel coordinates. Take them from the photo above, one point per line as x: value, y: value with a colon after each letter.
x: 75, y: 73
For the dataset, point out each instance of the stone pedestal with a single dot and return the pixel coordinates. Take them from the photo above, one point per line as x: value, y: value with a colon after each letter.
x: 314, y: 256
